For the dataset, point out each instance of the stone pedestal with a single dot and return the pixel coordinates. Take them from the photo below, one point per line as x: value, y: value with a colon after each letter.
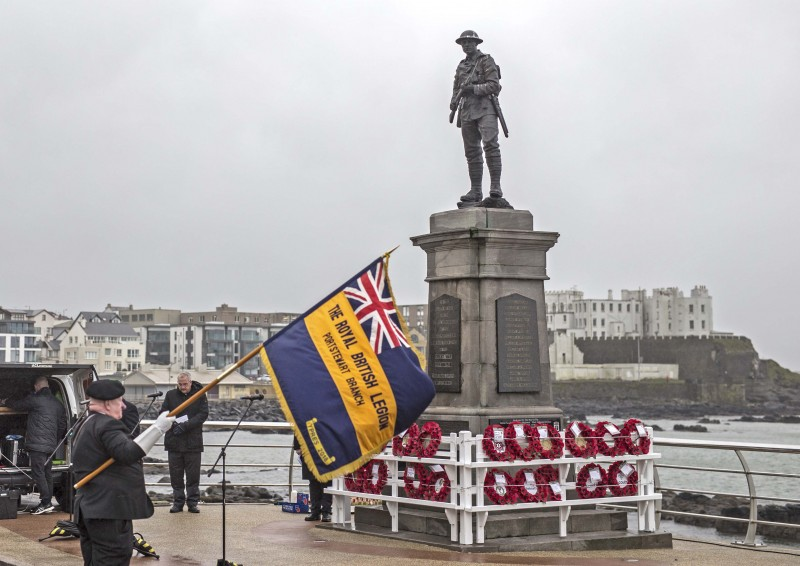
x: 487, y: 332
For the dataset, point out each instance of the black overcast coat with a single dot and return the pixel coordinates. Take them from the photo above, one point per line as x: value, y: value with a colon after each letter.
x: 47, y: 420
x: 190, y: 438
x: 118, y: 492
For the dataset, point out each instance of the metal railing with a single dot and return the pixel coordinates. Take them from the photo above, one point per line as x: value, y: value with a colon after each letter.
x: 277, y: 427
x: 739, y: 449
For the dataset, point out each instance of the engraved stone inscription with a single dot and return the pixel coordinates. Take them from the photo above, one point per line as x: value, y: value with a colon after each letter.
x: 518, y: 369
x: 444, y: 344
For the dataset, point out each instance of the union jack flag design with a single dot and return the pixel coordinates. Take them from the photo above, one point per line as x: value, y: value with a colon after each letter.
x: 372, y: 303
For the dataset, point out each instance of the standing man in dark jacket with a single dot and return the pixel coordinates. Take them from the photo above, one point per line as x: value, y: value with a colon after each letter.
x: 47, y: 425
x: 319, y: 501
x: 477, y: 80
x: 184, y: 443
x: 106, y: 505
x: 130, y: 418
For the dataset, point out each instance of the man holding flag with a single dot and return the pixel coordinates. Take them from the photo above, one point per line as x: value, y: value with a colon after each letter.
x: 344, y: 373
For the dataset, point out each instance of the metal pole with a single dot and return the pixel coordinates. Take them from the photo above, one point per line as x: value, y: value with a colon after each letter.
x: 750, y: 537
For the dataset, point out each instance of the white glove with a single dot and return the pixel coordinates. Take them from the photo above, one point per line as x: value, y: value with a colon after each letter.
x: 148, y: 438
x: 164, y: 422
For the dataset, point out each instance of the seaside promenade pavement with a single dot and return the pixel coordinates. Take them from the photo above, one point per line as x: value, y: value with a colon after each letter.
x: 262, y: 535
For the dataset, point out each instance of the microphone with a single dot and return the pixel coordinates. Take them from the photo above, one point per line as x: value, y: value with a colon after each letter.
x: 85, y: 402
x: 258, y: 397
x: 155, y: 395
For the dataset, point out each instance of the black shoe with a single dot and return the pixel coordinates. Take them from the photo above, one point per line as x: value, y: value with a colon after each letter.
x: 43, y: 509
x: 312, y: 517
x: 326, y: 517
x: 176, y: 508
x: 193, y: 509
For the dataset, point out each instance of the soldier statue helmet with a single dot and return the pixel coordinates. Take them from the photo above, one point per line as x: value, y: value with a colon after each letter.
x: 469, y: 34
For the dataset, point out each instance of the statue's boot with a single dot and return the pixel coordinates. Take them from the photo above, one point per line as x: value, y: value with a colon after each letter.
x: 475, y: 193
x: 495, y: 166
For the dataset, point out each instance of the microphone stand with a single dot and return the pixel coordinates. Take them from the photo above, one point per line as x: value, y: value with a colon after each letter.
x: 150, y: 406
x: 222, y: 561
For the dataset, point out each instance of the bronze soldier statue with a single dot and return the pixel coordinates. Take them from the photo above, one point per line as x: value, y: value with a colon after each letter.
x: 475, y: 89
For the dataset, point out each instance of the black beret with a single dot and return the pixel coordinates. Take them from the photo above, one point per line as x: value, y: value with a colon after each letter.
x: 105, y: 390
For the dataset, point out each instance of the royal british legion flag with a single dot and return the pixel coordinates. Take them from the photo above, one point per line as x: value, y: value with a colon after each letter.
x: 346, y: 375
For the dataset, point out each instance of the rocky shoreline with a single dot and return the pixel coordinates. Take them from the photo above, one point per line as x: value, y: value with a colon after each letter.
x: 673, y: 409
x: 269, y: 410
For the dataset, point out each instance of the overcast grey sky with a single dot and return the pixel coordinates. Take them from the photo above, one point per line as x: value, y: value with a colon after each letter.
x: 183, y: 154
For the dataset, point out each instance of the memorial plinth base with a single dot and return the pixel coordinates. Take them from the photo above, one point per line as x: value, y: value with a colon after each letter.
x: 487, y: 333
x: 589, y: 529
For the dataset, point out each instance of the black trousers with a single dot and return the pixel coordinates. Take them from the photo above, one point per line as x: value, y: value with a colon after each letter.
x: 185, y: 464
x: 42, y: 474
x: 319, y: 501
x: 106, y: 542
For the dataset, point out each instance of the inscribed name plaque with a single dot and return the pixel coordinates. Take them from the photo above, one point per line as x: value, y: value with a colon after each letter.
x: 518, y: 369
x: 444, y: 344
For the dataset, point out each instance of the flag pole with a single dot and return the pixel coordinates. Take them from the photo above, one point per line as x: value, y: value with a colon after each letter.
x: 179, y: 408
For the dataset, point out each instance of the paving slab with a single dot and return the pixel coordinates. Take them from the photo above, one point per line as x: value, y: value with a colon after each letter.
x: 262, y: 535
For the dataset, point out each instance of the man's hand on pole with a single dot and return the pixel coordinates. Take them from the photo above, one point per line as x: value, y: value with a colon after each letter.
x: 148, y: 438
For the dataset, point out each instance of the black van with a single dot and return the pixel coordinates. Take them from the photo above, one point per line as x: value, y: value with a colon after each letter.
x: 68, y: 384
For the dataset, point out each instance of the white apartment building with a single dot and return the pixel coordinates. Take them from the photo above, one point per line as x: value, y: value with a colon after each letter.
x: 668, y: 313
x: 665, y: 313
x: 20, y: 339
x: 101, y: 339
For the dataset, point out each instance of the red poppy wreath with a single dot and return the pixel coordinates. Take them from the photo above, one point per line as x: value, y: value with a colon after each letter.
x: 547, y: 478
x: 439, y: 488
x: 519, y: 440
x: 498, y: 487
x: 527, y: 488
x: 430, y: 437
x: 635, y: 435
x: 352, y: 481
x: 591, y: 482
x: 407, y: 444
x: 623, y: 479
x: 547, y: 441
x: 494, y: 444
x: 416, y: 481
x: 609, y: 439
x: 580, y: 440
x: 374, y: 476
